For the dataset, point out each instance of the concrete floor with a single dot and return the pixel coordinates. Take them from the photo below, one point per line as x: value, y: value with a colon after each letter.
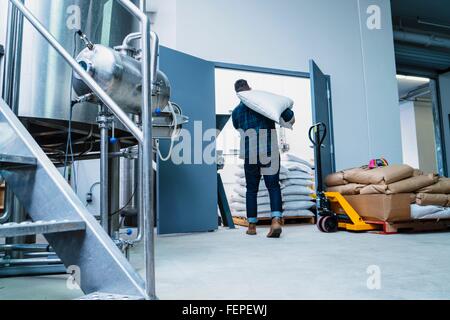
x: 304, y: 264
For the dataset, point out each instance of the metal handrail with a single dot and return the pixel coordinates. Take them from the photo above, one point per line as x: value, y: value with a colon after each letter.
x: 143, y: 136
x: 90, y: 82
x: 148, y: 76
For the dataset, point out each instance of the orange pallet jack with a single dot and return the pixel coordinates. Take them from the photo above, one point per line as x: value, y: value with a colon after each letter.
x: 327, y: 220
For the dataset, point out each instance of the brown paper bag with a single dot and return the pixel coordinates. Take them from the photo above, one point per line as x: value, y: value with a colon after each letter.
x: 427, y: 199
x: 348, y: 189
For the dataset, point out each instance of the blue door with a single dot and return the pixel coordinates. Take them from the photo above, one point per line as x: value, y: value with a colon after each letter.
x: 322, y: 112
x: 187, y: 199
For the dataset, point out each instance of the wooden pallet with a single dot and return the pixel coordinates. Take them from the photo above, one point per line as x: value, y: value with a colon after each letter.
x: 243, y: 222
x: 411, y: 227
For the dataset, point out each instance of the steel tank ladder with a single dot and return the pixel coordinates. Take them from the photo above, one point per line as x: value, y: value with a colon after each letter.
x: 55, y: 210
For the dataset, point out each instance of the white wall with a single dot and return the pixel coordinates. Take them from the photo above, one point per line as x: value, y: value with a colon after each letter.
x: 426, y: 138
x: 409, y: 136
x: 418, y: 135
x: 285, y: 34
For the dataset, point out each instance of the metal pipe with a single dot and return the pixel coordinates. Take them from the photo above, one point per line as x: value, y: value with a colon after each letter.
x: 114, y: 189
x: 101, y: 94
x: 154, y: 47
x: 147, y: 144
x: 26, y: 247
x: 104, y: 172
x: 422, y: 39
x: 22, y: 262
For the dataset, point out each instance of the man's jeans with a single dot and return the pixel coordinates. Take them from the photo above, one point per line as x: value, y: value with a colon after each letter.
x: 253, y: 174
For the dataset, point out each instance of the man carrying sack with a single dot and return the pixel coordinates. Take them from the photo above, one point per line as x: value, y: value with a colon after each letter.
x: 255, y: 118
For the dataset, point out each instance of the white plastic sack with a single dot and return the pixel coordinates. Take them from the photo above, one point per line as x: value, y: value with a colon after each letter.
x: 290, y: 157
x: 298, y: 213
x: 268, y: 104
x: 262, y: 184
x: 241, y: 175
x: 298, y: 182
x: 265, y: 208
x: 297, y: 175
x: 242, y: 191
x: 297, y: 197
x: 418, y: 212
x: 429, y: 212
x: 298, y: 205
x: 283, y: 169
x: 297, y: 190
x: 297, y: 166
x: 238, y: 199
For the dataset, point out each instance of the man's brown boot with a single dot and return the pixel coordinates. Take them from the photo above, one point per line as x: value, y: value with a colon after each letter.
x: 275, y: 229
x: 251, y: 229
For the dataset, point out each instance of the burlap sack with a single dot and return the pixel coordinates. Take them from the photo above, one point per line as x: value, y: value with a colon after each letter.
x: 412, y: 184
x: 382, y: 175
x: 348, y: 189
x: 418, y: 172
x: 413, y: 198
x: 441, y: 187
x: 427, y: 199
x: 336, y: 179
x: 375, y: 189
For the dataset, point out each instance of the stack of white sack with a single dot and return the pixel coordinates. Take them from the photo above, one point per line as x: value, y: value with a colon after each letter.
x: 429, y: 212
x: 297, y: 184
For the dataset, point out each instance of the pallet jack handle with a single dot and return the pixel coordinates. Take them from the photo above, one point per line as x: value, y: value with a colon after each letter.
x: 317, y: 135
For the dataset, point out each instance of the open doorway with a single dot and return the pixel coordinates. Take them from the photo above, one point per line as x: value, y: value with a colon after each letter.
x: 295, y: 141
x: 420, y: 124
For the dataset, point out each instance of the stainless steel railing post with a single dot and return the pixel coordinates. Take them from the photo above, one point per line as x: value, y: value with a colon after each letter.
x: 147, y: 145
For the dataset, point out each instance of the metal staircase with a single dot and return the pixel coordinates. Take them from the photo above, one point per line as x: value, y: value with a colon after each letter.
x: 74, y: 234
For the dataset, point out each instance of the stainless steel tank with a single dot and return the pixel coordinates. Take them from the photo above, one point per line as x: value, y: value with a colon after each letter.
x: 121, y: 77
x: 45, y: 78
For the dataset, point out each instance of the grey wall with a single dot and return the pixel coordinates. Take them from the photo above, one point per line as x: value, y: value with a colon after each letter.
x: 285, y: 34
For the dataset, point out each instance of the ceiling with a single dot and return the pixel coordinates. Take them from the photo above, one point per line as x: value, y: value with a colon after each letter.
x: 428, y: 17
x: 413, y: 88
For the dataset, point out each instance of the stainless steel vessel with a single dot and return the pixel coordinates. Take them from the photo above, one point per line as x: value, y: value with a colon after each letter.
x: 121, y: 78
x: 45, y: 78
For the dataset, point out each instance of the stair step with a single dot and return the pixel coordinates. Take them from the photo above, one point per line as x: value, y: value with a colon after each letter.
x: 40, y: 227
x: 10, y: 162
x: 109, y: 297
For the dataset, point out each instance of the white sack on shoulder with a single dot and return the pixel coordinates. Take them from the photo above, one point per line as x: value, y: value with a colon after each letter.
x: 265, y: 103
